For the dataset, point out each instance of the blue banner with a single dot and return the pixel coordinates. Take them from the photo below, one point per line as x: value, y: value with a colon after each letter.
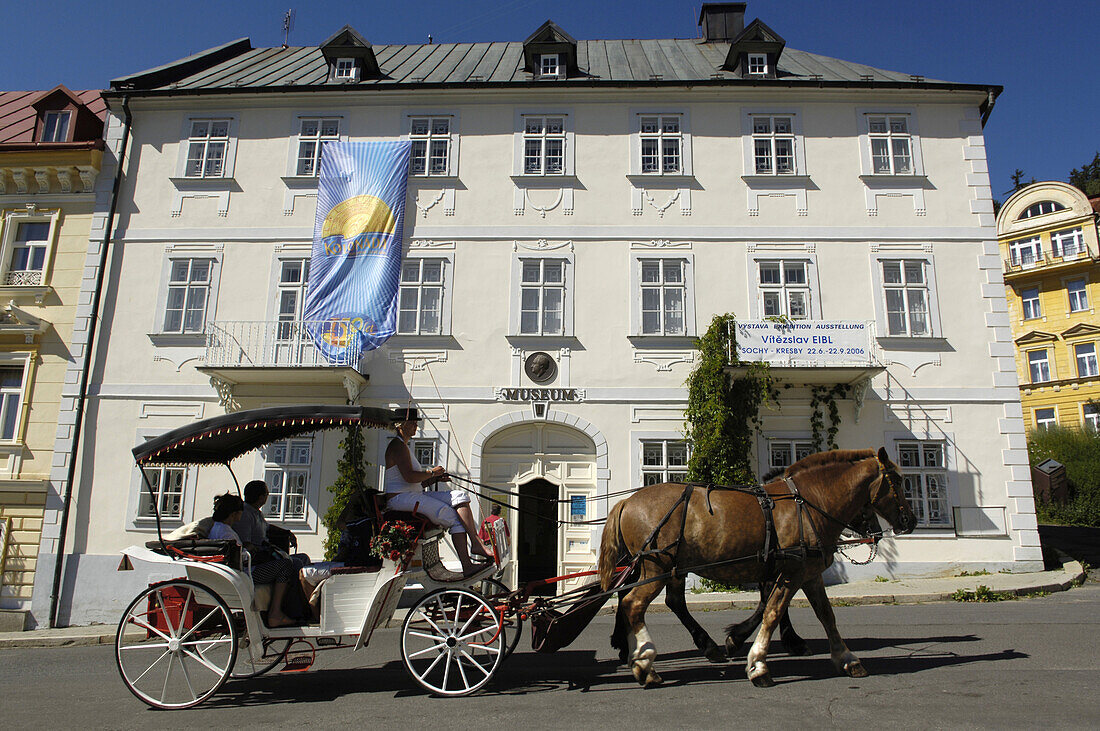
x: 355, y: 268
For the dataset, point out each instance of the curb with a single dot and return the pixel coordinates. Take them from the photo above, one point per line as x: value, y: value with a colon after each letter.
x: 1073, y: 572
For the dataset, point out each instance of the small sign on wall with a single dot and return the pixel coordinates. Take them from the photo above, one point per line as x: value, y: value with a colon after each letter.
x: 577, y: 507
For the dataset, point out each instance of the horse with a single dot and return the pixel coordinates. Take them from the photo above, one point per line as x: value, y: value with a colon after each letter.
x: 722, y: 535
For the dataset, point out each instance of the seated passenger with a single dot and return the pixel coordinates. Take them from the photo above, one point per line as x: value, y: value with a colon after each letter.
x: 228, y: 509
x: 405, y: 482
x: 252, y: 527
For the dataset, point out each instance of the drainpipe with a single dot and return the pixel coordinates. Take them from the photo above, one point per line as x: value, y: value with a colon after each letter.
x: 55, y: 594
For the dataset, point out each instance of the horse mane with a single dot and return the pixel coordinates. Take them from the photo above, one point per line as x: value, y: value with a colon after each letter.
x: 820, y: 459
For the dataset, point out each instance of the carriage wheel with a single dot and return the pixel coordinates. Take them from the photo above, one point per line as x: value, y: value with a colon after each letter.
x: 274, y: 652
x: 176, y: 644
x: 452, y: 642
x: 495, y: 593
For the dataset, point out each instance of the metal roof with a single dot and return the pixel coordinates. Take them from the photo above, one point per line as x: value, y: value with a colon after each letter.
x: 17, y: 115
x: 602, y: 62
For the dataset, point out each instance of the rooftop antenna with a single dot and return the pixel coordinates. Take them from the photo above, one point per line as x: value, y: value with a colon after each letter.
x: 429, y: 39
x: 288, y: 25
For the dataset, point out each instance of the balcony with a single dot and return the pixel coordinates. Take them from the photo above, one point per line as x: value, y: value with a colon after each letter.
x: 249, y: 358
x: 1029, y: 261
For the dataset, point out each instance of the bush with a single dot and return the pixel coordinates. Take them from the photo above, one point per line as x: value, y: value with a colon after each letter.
x: 1079, y: 451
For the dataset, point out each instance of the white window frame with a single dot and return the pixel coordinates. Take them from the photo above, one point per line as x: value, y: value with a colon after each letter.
x: 1045, y: 423
x: 296, y: 140
x: 228, y: 162
x: 452, y: 138
x: 798, y: 444
x: 520, y: 137
x: 67, y: 114
x: 1031, y: 364
x: 1036, y: 209
x: 935, y: 329
x: 913, y: 135
x: 752, y: 265
x: 345, y: 69
x: 637, y: 442
x: 1072, y: 239
x: 756, y: 64
x: 446, y: 285
x: 551, y: 66
x: 1036, y: 303
x: 313, y: 484
x: 1077, y: 300
x: 148, y: 524
x: 783, y: 288
x: 684, y: 135
x: 514, y: 317
x: 1090, y: 416
x: 176, y: 253
x: 922, y: 471
x: 12, y: 222
x: 1080, y: 358
x: 24, y: 361
x: 1032, y: 246
x: 637, y: 261
x: 748, y: 142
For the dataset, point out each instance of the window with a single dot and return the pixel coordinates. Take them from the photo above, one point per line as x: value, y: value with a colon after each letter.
x: 345, y: 68
x: 1067, y: 244
x: 55, y: 126
x: 163, y: 492
x: 1085, y: 355
x: 543, y: 145
x: 773, y: 145
x: 663, y: 294
x: 188, y: 295
x: 431, y: 145
x: 906, y: 290
x: 1029, y: 300
x: 1045, y: 418
x: 758, y: 64
x: 1025, y: 252
x: 1077, y: 289
x: 11, y: 399
x: 287, y: 474
x: 1090, y: 414
x: 291, y: 297
x: 924, y: 476
x: 550, y: 66
x: 313, y: 134
x: 207, y: 147
x: 664, y: 460
x: 542, y: 297
x: 661, y: 145
x: 28, y: 253
x: 1038, y: 366
x: 891, y: 146
x: 1040, y: 208
x: 420, y: 301
x: 782, y: 453
x: 425, y: 451
x: 784, y: 289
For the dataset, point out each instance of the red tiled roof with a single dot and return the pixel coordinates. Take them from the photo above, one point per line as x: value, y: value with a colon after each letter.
x: 1095, y: 201
x: 17, y: 115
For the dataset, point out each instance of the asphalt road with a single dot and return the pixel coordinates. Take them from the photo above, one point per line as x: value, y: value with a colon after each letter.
x: 1011, y: 664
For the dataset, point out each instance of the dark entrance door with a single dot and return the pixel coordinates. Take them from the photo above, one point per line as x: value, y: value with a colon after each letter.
x: 537, y: 551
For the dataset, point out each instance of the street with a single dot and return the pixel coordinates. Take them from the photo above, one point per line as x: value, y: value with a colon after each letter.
x: 1007, y: 664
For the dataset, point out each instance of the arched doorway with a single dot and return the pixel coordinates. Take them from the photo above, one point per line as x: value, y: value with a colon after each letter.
x: 539, y: 460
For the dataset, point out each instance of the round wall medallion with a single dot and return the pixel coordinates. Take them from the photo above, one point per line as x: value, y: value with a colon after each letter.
x: 540, y: 367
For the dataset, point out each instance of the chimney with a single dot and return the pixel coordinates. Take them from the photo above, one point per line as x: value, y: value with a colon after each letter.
x: 721, y: 21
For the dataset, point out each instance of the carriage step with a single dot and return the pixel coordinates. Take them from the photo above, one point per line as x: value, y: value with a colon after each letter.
x: 299, y: 660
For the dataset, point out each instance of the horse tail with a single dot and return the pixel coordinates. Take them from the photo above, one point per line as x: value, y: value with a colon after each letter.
x: 611, y: 546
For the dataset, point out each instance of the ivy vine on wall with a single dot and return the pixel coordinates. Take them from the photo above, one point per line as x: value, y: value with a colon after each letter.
x: 350, y: 484
x: 825, y: 396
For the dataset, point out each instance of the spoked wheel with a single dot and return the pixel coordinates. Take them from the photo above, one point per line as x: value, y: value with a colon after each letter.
x: 452, y: 642
x: 495, y: 592
x: 274, y: 652
x: 176, y: 644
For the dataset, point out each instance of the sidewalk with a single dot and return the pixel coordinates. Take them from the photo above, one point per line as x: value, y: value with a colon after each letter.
x: 905, y: 591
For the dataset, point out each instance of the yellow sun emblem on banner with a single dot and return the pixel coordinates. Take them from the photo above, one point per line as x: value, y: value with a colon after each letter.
x: 363, y: 214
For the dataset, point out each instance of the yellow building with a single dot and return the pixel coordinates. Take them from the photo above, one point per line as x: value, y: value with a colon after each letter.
x: 51, y: 147
x: 1047, y: 234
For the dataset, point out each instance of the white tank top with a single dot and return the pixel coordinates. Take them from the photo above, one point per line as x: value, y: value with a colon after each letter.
x: 395, y: 482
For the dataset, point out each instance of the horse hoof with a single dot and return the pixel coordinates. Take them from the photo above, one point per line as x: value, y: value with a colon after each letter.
x: 733, y: 647
x: 716, y: 654
x: 623, y: 656
x: 640, y: 674
x: 855, y: 670
x: 652, y: 680
x: 764, y: 680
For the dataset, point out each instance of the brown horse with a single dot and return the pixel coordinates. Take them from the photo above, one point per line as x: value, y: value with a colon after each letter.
x: 720, y: 535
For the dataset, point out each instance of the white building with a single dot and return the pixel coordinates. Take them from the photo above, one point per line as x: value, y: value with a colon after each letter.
x: 594, y: 201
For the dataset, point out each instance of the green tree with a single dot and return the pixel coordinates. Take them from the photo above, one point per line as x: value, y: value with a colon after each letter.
x: 1087, y: 179
x: 1079, y: 451
x: 350, y: 484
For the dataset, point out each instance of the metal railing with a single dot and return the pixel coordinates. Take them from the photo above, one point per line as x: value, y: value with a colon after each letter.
x: 1030, y: 261
x: 272, y: 344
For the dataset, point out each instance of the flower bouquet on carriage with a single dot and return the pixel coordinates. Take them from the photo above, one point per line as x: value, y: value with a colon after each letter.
x: 396, y: 541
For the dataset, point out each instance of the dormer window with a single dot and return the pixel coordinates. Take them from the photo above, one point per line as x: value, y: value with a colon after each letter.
x: 55, y: 126
x: 549, y: 66
x: 758, y: 64
x: 345, y: 69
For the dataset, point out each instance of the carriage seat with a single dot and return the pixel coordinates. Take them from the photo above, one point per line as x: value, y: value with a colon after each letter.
x: 200, y: 548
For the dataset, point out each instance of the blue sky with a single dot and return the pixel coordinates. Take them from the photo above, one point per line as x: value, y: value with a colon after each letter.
x: 1045, y: 54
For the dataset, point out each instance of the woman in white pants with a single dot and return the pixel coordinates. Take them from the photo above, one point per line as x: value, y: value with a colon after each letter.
x: 405, y: 483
